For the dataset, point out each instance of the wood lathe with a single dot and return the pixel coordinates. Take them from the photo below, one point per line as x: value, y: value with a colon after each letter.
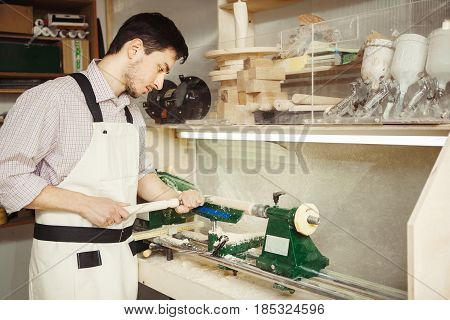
x: 284, y: 255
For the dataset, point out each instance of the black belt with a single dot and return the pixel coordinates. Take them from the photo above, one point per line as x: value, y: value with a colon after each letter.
x: 80, y: 234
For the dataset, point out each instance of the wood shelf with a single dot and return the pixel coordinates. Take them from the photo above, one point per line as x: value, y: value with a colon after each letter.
x: 414, y: 134
x: 260, y: 5
x: 23, y: 217
x: 12, y: 90
x: 33, y: 75
x: 326, y: 71
x: 26, y: 36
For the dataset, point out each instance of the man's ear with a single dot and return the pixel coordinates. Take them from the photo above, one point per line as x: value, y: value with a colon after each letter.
x: 135, y: 48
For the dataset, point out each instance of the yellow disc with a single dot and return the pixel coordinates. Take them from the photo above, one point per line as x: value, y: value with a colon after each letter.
x: 301, y: 218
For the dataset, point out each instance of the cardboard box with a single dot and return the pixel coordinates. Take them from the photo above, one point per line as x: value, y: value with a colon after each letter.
x: 16, y: 19
x: 75, y: 55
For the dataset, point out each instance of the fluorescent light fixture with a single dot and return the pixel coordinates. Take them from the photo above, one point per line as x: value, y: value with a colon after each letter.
x: 395, y: 140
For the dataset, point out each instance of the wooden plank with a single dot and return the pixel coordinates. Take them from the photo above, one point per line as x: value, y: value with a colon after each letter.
x: 236, y: 62
x: 265, y: 97
x: 229, y: 95
x: 235, y: 67
x: 266, y: 73
x: 326, y: 71
x: 213, y: 54
x: 235, y: 113
x: 242, y: 78
x: 222, y: 72
x: 260, y: 5
x: 262, y: 86
x: 12, y: 90
x: 242, y: 98
x: 224, y: 77
x: 228, y: 83
x: 257, y: 62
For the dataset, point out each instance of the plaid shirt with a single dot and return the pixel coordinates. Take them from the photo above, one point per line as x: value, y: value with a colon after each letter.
x: 47, y: 131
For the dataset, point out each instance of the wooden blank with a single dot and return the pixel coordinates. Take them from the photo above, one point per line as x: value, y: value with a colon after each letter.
x: 242, y: 78
x: 228, y: 83
x: 267, y: 73
x: 262, y: 86
x: 228, y: 95
x: 242, y: 98
x: 268, y: 97
x: 257, y: 62
x: 234, y: 113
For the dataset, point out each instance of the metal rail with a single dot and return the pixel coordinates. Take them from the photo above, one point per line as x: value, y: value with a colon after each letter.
x: 327, y: 284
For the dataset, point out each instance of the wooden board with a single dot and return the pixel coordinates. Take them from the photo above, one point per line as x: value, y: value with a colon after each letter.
x: 234, y: 113
x: 259, y: 5
x: 224, y: 77
x: 229, y: 95
x: 266, y: 73
x: 257, y: 62
x: 262, y: 86
x: 222, y: 53
x: 222, y: 72
x: 242, y: 78
x: 237, y: 62
x: 265, y: 97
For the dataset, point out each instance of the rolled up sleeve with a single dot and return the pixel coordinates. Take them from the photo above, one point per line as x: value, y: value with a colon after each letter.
x: 28, y: 134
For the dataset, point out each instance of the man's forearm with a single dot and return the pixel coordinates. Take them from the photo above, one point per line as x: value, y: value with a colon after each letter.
x: 54, y: 198
x: 152, y: 188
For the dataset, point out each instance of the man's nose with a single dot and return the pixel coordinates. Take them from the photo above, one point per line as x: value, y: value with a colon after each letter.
x: 159, y: 81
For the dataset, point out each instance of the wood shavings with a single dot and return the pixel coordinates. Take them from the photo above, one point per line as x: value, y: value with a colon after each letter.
x: 237, y: 238
x: 196, y: 236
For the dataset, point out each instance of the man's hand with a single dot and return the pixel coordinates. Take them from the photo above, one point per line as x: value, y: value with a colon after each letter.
x: 190, y: 199
x: 104, y: 212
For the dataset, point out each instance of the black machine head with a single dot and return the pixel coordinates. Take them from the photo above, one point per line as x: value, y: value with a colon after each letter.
x: 190, y: 100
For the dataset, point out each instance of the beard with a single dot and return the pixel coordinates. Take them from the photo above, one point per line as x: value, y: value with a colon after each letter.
x: 130, y: 75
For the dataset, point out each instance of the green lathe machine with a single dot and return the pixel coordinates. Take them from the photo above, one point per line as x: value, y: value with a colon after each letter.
x: 285, y: 254
x: 287, y: 249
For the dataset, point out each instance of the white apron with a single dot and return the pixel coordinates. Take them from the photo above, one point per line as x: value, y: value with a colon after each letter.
x: 109, y: 168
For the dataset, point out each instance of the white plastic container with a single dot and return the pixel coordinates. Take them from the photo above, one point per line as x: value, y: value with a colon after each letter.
x: 438, y: 61
x: 408, y: 61
x: 376, y: 61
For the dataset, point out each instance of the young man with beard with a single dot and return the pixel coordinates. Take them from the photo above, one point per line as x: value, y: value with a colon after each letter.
x: 73, y: 150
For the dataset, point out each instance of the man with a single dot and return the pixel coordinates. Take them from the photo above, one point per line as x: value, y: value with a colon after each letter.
x: 73, y: 150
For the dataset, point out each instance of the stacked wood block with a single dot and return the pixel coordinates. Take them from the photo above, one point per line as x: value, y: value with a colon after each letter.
x: 231, y: 102
x: 258, y: 85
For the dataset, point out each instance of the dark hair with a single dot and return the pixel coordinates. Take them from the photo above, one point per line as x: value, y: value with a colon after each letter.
x: 156, y: 31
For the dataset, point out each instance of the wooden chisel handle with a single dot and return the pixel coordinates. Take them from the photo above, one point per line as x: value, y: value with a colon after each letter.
x: 153, y: 206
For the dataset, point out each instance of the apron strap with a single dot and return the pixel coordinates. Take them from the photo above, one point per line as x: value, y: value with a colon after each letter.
x: 89, y: 95
x: 91, y: 101
x: 128, y: 115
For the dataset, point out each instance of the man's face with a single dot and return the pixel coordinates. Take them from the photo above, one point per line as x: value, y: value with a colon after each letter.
x: 146, y: 72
